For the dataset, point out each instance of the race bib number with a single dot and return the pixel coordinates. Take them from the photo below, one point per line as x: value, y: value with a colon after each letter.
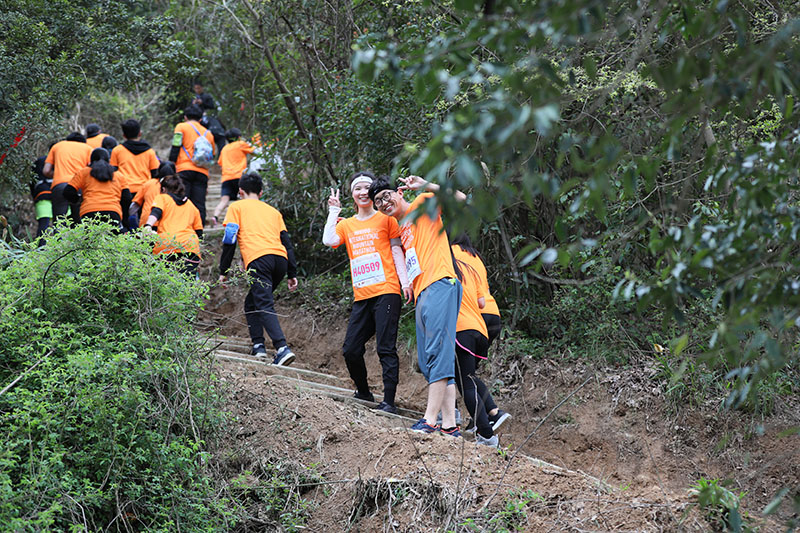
x: 412, y: 264
x: 367, y: 270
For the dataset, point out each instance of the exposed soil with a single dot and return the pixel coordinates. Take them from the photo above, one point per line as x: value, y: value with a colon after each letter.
x: 627, y: 460
x: 616, y: 429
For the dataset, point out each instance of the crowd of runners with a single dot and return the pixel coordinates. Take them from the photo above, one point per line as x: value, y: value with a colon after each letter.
x: 398, y: 253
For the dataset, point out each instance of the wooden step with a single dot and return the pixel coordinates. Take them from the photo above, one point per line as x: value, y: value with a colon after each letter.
x: 343, y: 393
x: 286, y: 370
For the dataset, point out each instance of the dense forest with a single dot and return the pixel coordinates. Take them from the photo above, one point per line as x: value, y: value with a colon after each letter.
x: 631, y: 169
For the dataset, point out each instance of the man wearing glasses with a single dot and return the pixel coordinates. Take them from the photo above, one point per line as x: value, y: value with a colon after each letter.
x: 437, y: 290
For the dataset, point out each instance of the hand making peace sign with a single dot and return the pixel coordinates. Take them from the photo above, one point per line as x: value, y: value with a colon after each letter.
x: 333, y: 200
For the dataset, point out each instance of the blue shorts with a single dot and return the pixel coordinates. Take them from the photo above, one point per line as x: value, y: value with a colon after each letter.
x: 230, y: 189
x: 436, y: 317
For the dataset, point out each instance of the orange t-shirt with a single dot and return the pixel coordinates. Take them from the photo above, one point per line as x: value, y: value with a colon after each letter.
x: 135, y: 169
x: 98, y: 195
x: 184, y: 161
x: 233, y: 159
x: 491, y: 307
x: 260, y: 227
x: 96, y: 141
x: 177, y: 226
x: 145, y: 198
x: 469, y: 315
x: 368, y: 246
x: 427, y: 249
x: 67, y: 158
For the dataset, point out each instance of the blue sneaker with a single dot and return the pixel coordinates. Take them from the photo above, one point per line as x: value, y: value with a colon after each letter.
x: 258, y: 350
x: 422, y: 426
x: 453, y: 432
x: 386, y: 407
x: 284, y: 357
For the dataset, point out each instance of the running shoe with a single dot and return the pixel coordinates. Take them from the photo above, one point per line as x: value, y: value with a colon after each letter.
x: 283, y: 357
x: 470, y: 428
x: 453, y: 432
x: 422, y: 426
x: 258, y: 350
x: 368, y: 397
x: 386, y: 407
x: 492, y: 441
x: 498, y: 420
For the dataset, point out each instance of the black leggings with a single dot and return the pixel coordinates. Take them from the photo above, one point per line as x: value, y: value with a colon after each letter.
x: 493, y: 325
x: 473, y: 390
x: 189, y: 262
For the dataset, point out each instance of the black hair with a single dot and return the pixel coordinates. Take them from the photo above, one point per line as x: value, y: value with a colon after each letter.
x: 131, y: 128
x: 173, y: 184
x: 193, y: 112
x: 101, y: 169
x: 251, y: 183
x: 383, y: 183
x: 109, y: 142
x: 233, y: 134
x: 465, y: 243
x: 92, y: 130
x: 366, y: 173
x: 166, y: 169
x: 77, y: 137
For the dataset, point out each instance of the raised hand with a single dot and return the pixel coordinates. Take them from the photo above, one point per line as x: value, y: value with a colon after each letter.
x: 333, y: 199
x: 412, y: 183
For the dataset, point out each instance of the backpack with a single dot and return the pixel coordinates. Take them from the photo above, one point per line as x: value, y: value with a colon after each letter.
x: 203, y: 151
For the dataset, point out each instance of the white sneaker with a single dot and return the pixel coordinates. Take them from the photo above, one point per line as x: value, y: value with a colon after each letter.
x: 493, y: 441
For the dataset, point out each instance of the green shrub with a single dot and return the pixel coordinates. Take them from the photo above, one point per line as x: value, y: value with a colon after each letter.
x: 107, y: 395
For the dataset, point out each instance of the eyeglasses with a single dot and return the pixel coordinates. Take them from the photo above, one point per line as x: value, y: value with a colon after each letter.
x: 382, y: 198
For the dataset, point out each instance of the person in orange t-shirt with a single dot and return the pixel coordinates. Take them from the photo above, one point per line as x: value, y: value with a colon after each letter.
x: 268, y: 256
x: 178, y: 225
x: 472, y: 346
x: 104, y: 194
x: 432, y: 270
x: 194, y: 177
x: 233, y: 161
x: 64, y: 159
x: 135, y: 160
x: 143, y: 201
x: 378, y: 272
x: 95, y: 136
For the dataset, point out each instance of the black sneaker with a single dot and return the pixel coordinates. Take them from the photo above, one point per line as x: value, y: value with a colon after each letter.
x: 498, y: 420
x: 258, y: 350
x: 389, y: 408
x: 366, y: 397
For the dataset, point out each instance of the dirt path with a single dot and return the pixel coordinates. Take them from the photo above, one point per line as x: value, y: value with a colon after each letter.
x: 620, y: 460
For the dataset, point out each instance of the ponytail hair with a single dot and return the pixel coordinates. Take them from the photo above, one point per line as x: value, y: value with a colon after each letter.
x: 465, y: 243
x: 172, y: 184
x: 101, y: 169
x: 165, y: 169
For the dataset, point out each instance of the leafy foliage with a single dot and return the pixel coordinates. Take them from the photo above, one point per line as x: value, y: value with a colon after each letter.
x: 637, y: 128
x: 107, y: 397
x: 55, y: 51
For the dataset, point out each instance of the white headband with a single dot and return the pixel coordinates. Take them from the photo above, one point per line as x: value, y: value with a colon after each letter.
x: 360, y: 179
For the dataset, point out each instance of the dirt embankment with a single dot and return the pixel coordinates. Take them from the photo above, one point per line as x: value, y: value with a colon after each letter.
x: 618, y: 459
x: 626, y: 462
